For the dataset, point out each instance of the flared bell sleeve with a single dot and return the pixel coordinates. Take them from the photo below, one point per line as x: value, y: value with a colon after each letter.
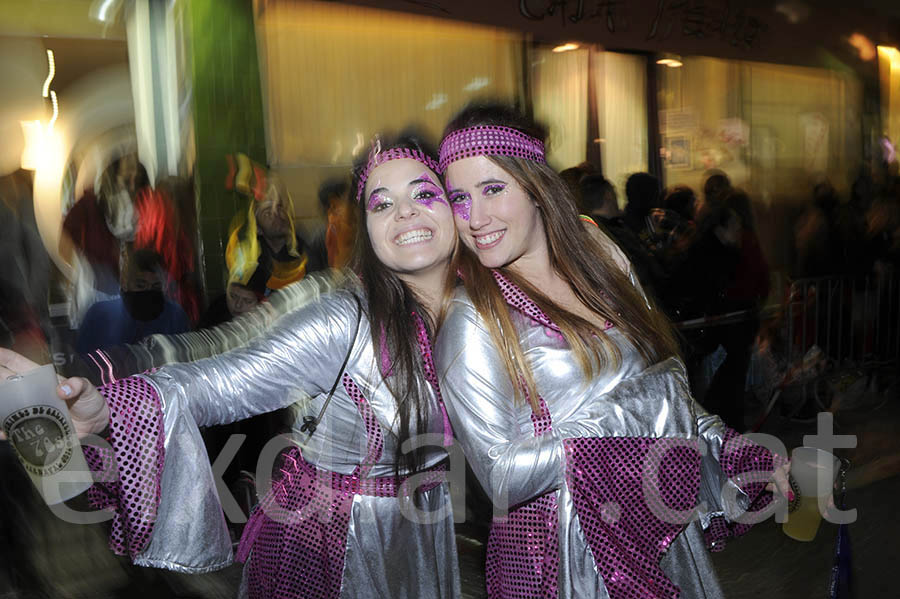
x: 735, y: 472
x: 184, y: 530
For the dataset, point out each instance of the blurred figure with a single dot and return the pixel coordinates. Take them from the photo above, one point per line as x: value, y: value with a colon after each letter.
x: 141, y: 310
x: 671, y: 228
x: 166, y: 224
x: 642, y: 195
x: 236, y: 300
x: 573, y: 176
x: 334, y: 200
x: 882, y: 234
x: 264, y: 251
x: 600, y: 203
x: 716, y: 186
x: 816, y: 238
x: 97, y: 225
x: 747, y: 290
x: 24, y: 272
x: 681, y: 200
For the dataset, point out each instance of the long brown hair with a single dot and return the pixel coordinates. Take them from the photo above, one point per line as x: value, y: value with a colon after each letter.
x: 576, y: 256
x: 390, y: 305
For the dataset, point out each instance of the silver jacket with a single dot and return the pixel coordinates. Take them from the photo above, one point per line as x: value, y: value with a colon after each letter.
x: 515, y: 466
x: 295, y: 363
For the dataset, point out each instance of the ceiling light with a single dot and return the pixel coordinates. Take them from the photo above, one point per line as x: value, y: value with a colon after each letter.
x: 669, y: 61
x: 566, y: 47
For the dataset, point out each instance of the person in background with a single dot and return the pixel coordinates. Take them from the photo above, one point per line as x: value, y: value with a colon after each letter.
x: 98, y: 226
x: 599, y: 201
x: 236, y: 300
x: 746, y: 291
x: 264, y: 248
x: 681, y: 200
x: 573, y: 176
x: 167, y: 224
x: 142, y: 308
x: 340, y: 228
x: 641, y: 195
x: 716, y: 186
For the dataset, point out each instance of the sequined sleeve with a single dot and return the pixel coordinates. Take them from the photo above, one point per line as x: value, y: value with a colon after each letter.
x: 299, y: 355
x: 735, y: 472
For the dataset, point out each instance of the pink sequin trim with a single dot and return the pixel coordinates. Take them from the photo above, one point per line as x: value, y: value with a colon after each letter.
x: 523, y: 548
x: 135, y: 464
x: 431, y: 376
x: 740, y: 455
x: 519, y: 300
x: 621, y: 524
x: 489, y: 140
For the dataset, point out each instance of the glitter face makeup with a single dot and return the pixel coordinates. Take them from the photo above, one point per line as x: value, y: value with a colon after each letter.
x: 408, y: 219
x: 460, y: 202
x: 495, y: 217
x: 377, y: 201
x: 427, y: 192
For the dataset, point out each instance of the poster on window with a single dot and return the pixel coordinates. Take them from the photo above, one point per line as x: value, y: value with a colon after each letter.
x: 814, y: 131
x: 677, y: 152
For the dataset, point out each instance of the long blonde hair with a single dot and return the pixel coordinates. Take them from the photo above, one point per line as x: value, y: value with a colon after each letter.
x: 597, y: 281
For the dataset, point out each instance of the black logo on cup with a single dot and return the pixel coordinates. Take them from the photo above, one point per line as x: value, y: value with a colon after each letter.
x: 41, y: 436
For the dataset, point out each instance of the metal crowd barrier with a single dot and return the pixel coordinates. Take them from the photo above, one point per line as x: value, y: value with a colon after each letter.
x: 853, y: 320
x: 822, y: 327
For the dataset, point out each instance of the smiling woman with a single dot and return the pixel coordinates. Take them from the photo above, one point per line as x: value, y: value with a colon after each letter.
x: 407, y: 212
x: 565, y: 393
x: 350, y: 514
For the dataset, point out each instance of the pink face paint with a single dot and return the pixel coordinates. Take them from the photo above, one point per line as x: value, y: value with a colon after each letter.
x: 427, y: 192
x: 492, y: 189
x: 461, y: 204
x: 375, y: 201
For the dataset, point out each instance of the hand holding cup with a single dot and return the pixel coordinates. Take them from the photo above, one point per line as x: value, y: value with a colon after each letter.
x: 87, y: 408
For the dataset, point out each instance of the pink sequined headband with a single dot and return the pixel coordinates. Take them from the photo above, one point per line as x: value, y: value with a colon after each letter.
x: 377, y: 157
x: 489, y: 140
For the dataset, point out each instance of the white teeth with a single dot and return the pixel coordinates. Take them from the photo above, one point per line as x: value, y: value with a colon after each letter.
x: 488, y: 239
x: 413, y: 237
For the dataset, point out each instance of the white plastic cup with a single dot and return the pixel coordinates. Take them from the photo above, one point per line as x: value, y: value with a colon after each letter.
x: 36, y: 422
x: 814, y: 470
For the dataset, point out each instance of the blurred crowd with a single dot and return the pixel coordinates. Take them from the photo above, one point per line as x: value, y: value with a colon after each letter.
x: 699, y: 256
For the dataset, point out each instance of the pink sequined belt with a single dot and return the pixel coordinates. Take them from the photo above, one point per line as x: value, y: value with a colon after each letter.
x: 297, y: 487
x: 354, y: 484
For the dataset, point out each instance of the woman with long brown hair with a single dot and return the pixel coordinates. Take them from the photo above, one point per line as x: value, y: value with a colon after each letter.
x: 564, y: 388
x: 345, y: 517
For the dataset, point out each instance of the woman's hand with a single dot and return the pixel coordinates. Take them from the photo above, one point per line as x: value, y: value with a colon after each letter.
x: 780, y: 482
x: 87, y: 408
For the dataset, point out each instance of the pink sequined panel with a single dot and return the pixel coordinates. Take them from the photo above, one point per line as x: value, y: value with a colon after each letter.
x: 523, y: 552
x: 517, y: 298
x: 302, y: 554
x: 627, y: 537
x: 740, y: 456
x: 131, y: 484
x: 523, y: 548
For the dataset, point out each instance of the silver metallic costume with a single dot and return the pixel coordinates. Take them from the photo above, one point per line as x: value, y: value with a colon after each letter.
x: 295, y: 363
x: 516, y: 466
